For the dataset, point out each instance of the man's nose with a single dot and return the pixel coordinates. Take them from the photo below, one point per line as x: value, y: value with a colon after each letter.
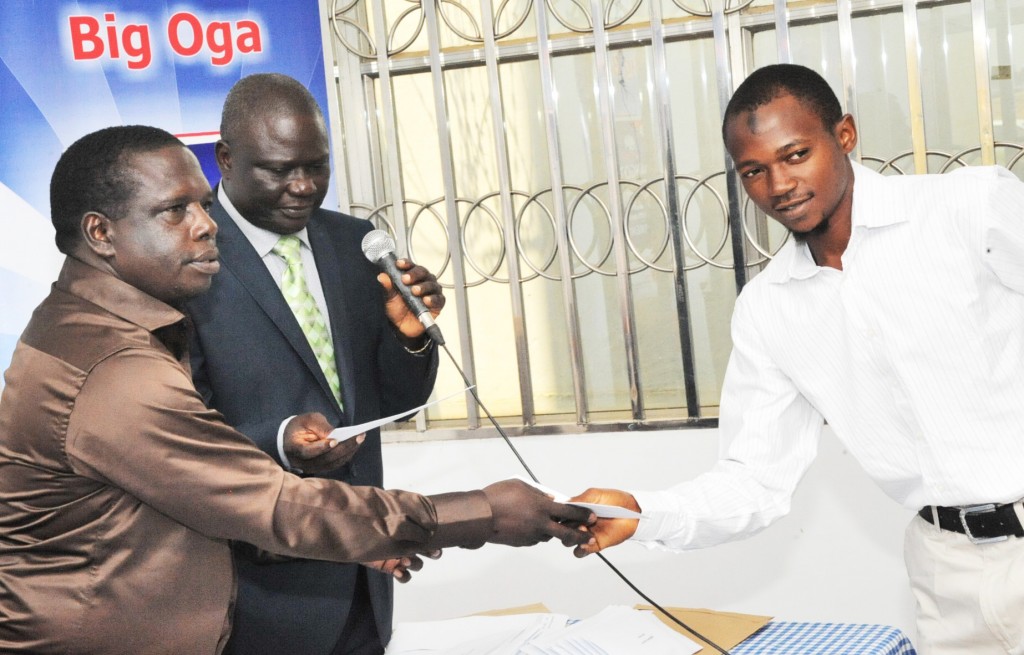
x: 301, y: 183
x: 204, y: 226
x: 780, y: 182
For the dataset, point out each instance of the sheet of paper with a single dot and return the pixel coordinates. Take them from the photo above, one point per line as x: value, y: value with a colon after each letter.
x: 472, y: 635
x: 349, y: 431
x: 616, y: 630
x: 600, y: 511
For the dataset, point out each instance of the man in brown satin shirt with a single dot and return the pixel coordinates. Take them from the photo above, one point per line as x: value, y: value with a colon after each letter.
x: 119, y: 489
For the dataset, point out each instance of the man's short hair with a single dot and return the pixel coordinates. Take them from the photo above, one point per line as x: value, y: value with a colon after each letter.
x: 264, y: 92
x: 770, y: 82
x: 94, y: 175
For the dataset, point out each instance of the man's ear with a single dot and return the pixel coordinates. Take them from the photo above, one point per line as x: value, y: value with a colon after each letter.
x: 222, y: 153
x: 846, y: 133
x: 96, y: 234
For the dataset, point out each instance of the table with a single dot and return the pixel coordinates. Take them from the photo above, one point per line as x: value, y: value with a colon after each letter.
x: 799, y: 638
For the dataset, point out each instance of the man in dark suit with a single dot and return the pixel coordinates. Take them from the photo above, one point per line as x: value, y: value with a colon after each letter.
x: 254, y: 363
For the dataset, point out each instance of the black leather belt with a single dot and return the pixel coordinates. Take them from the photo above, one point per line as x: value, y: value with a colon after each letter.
x: 981, y: 523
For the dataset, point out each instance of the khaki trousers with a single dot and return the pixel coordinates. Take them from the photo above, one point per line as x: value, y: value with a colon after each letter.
x: 970, y: 598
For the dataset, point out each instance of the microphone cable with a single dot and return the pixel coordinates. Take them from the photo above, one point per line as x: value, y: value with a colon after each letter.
x: 472, y: 390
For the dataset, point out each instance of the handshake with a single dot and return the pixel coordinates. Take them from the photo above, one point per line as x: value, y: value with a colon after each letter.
x: 521, y: 513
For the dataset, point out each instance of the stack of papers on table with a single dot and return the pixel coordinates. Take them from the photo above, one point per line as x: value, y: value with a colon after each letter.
x: 616, y: 630
x: 501, y: 635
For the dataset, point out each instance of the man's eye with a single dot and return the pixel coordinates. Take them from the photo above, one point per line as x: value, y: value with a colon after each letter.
x: 750, y: 172
x: 798, y: 155
x: 175, y: 213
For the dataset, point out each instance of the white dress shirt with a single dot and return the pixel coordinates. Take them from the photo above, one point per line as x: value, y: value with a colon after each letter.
x: 913, y: 353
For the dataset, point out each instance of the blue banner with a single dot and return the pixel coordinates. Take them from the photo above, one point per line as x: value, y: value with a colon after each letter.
x: 70, y: 68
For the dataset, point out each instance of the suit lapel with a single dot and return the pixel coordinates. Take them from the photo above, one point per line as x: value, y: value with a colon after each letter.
x: 243, y: 263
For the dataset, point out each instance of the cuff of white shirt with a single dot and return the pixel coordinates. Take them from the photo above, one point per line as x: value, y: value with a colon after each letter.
x: 651, y: 530
x: 280, y: 448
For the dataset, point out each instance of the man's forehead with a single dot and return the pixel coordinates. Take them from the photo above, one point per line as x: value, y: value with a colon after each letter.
x: 168, y: 169
x: 751, y: 121
x: 284, y: 139
x: 782, y: 113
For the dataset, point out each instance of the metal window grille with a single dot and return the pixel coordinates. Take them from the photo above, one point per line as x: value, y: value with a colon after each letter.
x: 520, y: 150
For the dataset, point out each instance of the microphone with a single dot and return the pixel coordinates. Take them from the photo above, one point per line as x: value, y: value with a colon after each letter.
x: 379, y: 248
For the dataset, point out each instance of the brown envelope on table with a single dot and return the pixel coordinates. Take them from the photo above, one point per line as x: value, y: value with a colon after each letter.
x: 724, y: 628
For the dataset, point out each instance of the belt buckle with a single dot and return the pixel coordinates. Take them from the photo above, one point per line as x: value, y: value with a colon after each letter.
x: 978, y: 509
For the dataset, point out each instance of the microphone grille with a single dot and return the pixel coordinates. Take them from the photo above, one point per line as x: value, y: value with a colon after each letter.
x: 376, y: 244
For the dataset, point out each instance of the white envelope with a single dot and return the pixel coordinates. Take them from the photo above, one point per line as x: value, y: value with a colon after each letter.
x: 349, y: 431
x: 600, y: 511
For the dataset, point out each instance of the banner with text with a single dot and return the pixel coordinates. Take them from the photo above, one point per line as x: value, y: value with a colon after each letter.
x: 69, y: 68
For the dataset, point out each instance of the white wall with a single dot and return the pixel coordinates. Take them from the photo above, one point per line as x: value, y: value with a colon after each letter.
x: 836, y: 557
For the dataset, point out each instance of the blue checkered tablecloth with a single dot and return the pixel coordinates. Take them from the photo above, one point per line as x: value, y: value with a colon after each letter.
x: 792, y: 638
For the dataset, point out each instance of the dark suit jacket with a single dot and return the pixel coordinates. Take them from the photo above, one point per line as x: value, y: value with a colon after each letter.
x: 251, y: 362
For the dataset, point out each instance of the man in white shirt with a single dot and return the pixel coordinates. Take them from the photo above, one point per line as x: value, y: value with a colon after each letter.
x: 896, y: 313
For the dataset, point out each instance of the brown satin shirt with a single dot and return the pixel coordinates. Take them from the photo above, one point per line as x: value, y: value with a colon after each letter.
x: 120, y: 490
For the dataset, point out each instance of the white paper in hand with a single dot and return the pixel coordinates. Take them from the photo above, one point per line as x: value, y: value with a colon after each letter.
x: 600, y: 511
x: 349, y: 431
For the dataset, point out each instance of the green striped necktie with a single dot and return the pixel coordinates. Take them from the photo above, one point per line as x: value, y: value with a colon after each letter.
x: 303, y: 305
